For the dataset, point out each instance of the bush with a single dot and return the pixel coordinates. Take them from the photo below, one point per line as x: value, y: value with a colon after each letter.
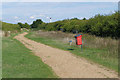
x: 36, y: 23
x: 99, y: 25
x: 26, y: 25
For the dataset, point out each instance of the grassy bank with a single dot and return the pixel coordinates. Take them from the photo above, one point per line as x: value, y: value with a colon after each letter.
x: 96, y: 53
x: 0, y: 56
x: 10, y: 27
x: 20, y: 62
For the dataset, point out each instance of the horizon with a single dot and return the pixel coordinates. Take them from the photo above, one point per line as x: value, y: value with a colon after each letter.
x: 14, y: 12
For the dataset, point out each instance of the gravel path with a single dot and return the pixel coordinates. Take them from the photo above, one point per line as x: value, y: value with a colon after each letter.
x: 65, y: 64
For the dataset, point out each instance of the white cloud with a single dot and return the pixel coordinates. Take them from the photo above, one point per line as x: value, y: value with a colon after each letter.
x: 47, y: 17
x: 30, y: 22
x: 37, y: 16
x: 22, y: 21
x: 72, y: 17
x: 16, y: 17
x: 81, y: 17
x: 19, y: 21
x: 32, y: 17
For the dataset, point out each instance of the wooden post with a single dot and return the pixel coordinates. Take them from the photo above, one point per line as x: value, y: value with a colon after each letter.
x: 81, y: 48
x: 70, y: 42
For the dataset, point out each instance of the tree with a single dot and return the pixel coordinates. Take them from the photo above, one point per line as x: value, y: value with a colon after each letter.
x: 84, y: 18
x: 26, y: 25
x: 74, y: 19
x: 36, y: 23
x: 20, y: 24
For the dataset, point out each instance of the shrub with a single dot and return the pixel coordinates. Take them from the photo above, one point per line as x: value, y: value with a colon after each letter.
x: 99, y: 25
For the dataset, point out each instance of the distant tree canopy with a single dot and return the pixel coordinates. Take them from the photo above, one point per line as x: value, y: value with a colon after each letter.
x: 36, y: 23
x: 99, y: 25
x: 84, y: 18
x: 26, y: 25
x: 74, y: 19
x: 20, y: 24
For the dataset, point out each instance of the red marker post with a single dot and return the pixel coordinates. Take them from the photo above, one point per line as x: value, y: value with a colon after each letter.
x: 78, y: 39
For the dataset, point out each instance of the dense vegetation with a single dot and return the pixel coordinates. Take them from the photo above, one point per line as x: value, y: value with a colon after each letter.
x: 99, y: 25
x: 10, y: 27
x: 26, y: 25
x: 36, y: 23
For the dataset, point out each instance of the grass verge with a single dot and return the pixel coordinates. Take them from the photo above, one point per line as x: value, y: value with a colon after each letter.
x: 92, y: 54
x: 20, y: 62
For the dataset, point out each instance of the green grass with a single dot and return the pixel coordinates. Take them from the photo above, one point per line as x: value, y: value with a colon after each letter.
x: 93, y: 54
x: 20, y: 62
x: 10, y: 27
x: 0, y: 57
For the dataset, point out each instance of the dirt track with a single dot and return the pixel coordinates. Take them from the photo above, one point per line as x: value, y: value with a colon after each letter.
x: 65, y: 64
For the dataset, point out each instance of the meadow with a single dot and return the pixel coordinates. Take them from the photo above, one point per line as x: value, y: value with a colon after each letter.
x: 100, y: 44
x: 100, y: 50
x: 20, y: 62
x: 100, y: 37
x: 10, y: 27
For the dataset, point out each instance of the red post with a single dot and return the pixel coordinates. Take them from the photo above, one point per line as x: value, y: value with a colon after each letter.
x: 79, y: 39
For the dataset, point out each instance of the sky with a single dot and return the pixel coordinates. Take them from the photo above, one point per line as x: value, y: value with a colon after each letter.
x: 14, y: 12
x: 59, y: 0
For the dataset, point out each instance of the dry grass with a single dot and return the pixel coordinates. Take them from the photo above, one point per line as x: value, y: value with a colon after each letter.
x: 103, y: 51
x: 89, y: 41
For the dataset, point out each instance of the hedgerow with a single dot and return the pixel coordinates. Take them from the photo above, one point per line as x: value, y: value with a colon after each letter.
x: 99, y: 25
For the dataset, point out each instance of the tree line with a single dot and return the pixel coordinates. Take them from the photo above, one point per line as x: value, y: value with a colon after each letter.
x: 33, y: 25
x: 99, y: 25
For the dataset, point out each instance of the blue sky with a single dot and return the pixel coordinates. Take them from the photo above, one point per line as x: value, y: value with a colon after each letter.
x: 14, y: 12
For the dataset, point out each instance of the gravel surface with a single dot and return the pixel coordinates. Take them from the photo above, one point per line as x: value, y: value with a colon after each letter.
x: 65, y: 64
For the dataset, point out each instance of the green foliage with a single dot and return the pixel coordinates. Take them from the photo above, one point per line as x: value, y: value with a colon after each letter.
x: 84, y: 18
x: 20, y: 24
x: 94, y: 48
x: 99, y: 25
x: 74, y: 19
x: 36, y: 23
x: 10, y: 27
x: 26, y: 25
x: 20, y: 62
